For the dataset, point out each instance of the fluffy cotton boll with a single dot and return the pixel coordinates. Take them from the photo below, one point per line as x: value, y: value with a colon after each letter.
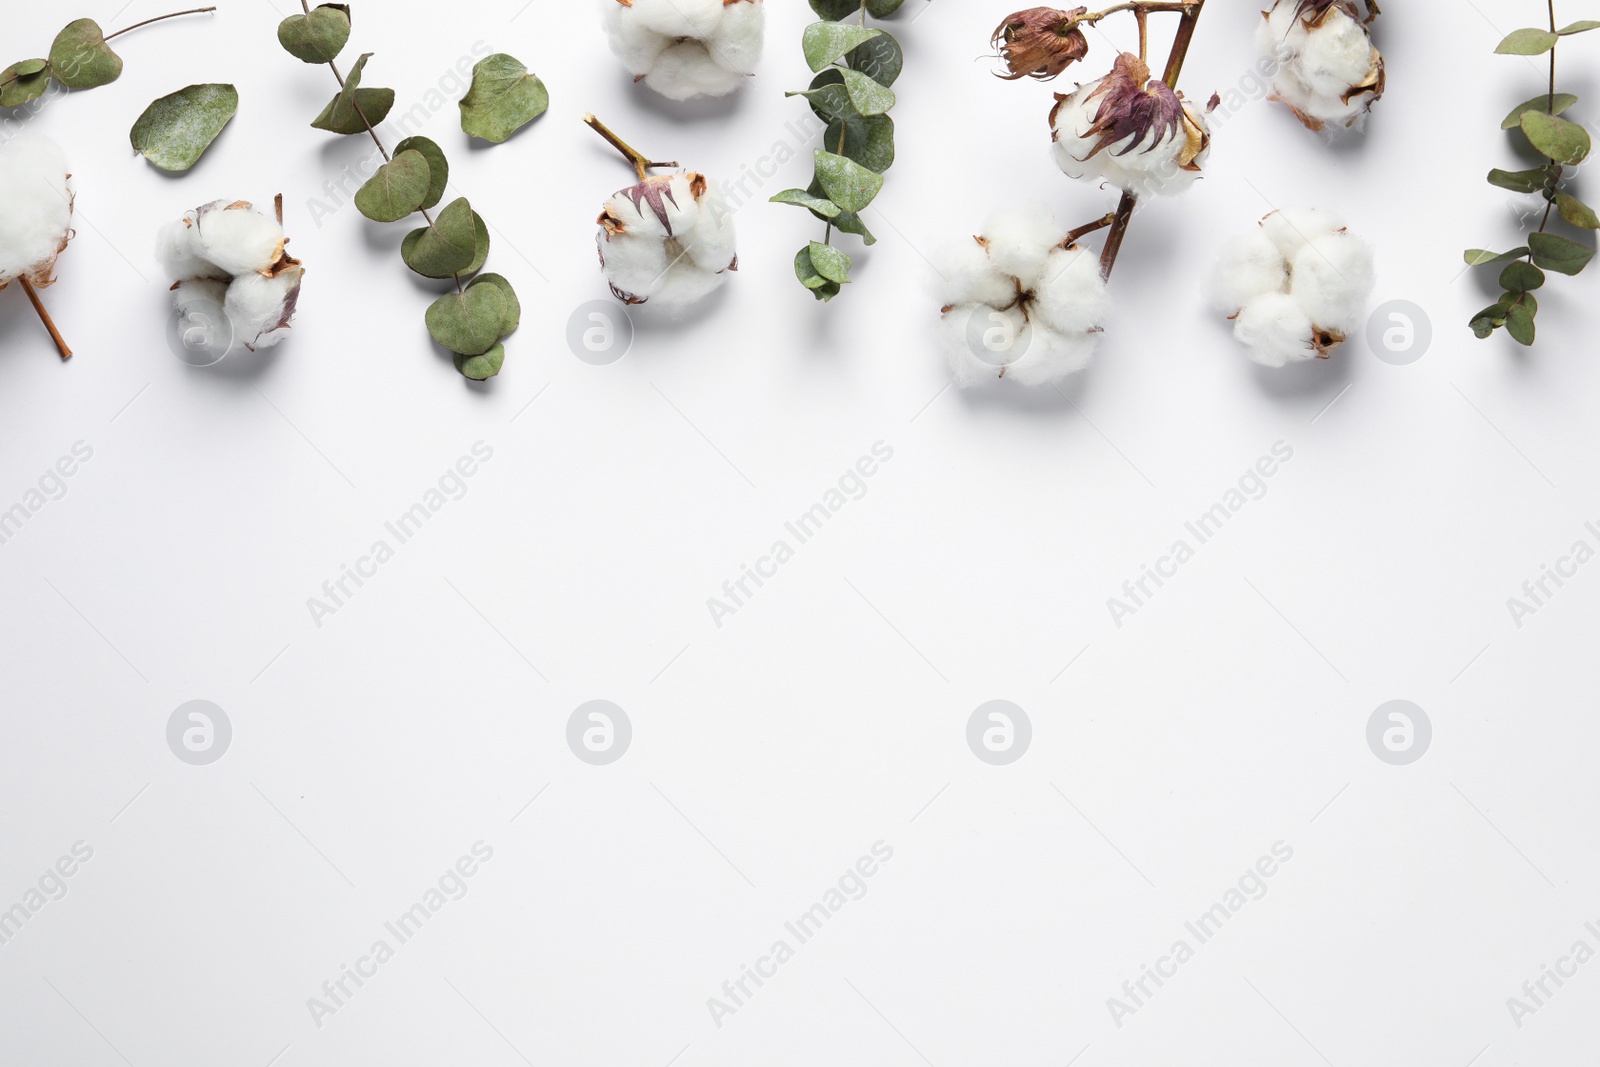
x: 684, y: 49
x: 1337, y: 55
x: 236, y: 237
x: 1328, y: 71
x: 1292, y: 228
x: 260, y: 308
x: 1016, y: 304
x: 1249, y: 266
x: 178, y: 252
x: 669, y: 241
x: 1276, y: 330
x: 35, y: 209
x: 1333, y: 277
x: 1131, y: 131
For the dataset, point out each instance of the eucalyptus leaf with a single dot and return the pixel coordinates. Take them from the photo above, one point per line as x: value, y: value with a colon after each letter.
x: 482, y: 368
x: 1527, y: 42
x: 828, y: 97
x: 1525, y: 298
x: 1563, y: 141
x: 445, y: 248
x: 438, y: 167
x: 801, y: 198
x: 847, y: 183
x: 806, y: 271
x: 354, y: 108
x: 1559, y: 254
x: 1477, y: 257
x: 472, y: 321
x: 25, y: 81
x: 1519, y: 324
x: 480, y: 245
x: 830, y: 262
x: 880, y: 59
x: 1561, y: 102
x: 80, y: 57
x: 834, y: 10
x: 1518, y: 181
x: 825, y: 42
x: 514, y: 314
x: 317, y: 37
x: 1583, y: 26
x: 398, y: 188
x: 879, y: 9
x: 175, y: 131
x: 1490, y: 319
x: 1519, y: 277
x: 503, y: 98
x: 869, y: 140
x: 867, y: 96
x: 1576, y: 212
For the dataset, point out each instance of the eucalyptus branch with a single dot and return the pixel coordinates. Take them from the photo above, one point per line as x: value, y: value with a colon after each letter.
x: 159, y: 18
x: 80, y: 58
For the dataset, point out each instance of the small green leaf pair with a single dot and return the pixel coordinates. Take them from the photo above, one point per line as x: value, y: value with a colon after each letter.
x: 472, y: 324
x: 413, y: 180
x: 1534, y: 41
x: 823, y: 269
x: 79, y: 58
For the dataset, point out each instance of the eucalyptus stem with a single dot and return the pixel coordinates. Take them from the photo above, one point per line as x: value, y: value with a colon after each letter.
x: 1550, y: 108
x: 44, y: 316
x: 159, y: 18
x: 1180, y: 51
x: 642, y: 164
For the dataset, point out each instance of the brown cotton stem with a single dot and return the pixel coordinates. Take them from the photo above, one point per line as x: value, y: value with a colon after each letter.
x: 1087, y: 228
x: 642, y: 164
x: 159, y: 18
x: 1125, y: 207
x: 44, y: 316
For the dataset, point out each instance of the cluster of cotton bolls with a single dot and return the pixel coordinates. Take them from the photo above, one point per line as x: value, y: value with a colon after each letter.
x: 688, y: 48
x: 1019, y: 302
x: 35, y: 209
x: 668, y: 241
x: 1296, y: 286
x: 1328, y: 71
x: 236, y: 283
x: 1130, y: 130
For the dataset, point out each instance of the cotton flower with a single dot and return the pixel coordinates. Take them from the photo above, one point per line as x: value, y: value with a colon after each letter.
x: 668, y: 240
x: 1328, y: 71
x: 1130, y: 130
x: 1019, y: 302
x: 687, y: 48
x: 1040, y: 42
x: 35, y: 209
x: 236, y: 283
x: 1295, y: 287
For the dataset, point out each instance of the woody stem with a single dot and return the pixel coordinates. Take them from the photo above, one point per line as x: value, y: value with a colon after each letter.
x: 44, y: 316
x: 1089, y: 227
x: 641, y: 163
x: 1180, y: 51
x: 159, y: 18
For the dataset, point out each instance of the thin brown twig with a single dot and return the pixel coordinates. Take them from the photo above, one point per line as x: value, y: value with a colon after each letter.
x: 159, y: 18
x: 642, y: 164
x: 44, y: 316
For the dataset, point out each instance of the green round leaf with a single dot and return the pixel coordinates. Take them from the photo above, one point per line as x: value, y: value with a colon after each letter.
x: 503, y: 98
x: 1519, y: 277
x: 801, y: 198
x: 480, y: 244
x: 81, y: 59
x: 25, y: 81
x: 175, y: 131
x: 1554, y: 106
x: 880, y: 9
x: 1563, y: 141
x: 1519, y: 324
x: 830, y: 262
x: 866, y: 95
x: 1527, y: 42
x: 847, y: 183
x: 834, y: 10
x: 1527, y: 299
x: 1518, y: 181
x: 514, y: 313
x: 438, y: 167
x: 318, y: 37
x: 827, y: 96
x: 1576, y: 212
x: 1559, y: 254
x: 845, y: 221
x: 397, y: 189
x: 482, y: 368
x: 869, y: 140
x: 445, y: 248
x: 344, y: 113
x: 825, y: 42
x: 880, y: 59
x: 472, y: 321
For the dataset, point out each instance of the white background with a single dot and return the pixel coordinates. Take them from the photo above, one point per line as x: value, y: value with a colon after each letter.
x: 829, y: 713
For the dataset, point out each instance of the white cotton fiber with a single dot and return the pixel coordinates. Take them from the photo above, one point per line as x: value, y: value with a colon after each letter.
x: 1296, y: 286
x: 1327, y: 69
x: 35, y: 208
x: 1016, y: 304
x: 684, y: 49
x: 668, y: 241
x: 1163, y: 158
x: 235, y: 278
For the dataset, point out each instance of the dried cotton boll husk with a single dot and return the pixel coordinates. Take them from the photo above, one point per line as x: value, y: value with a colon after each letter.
x: 1296, y: 286
x: 232, y: 268
x: 1017, y: 303
x: 35, y: 209
x: 1130, y: 130
x: 1329, y: 73
x: 668, y: 241
x: 687, y: 48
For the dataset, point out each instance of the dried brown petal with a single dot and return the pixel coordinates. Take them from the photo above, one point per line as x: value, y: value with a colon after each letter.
x: 1040, y: 42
